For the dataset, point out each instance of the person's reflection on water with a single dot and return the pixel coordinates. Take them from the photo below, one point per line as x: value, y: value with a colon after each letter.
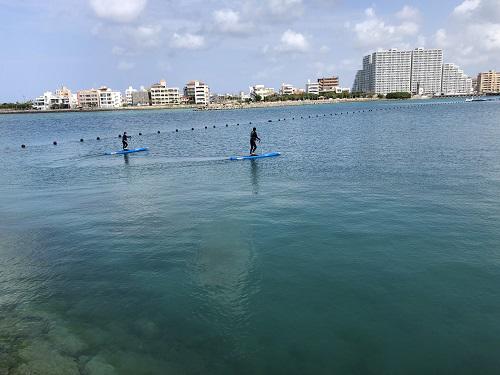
x: 254, y: 165
x: 125, y: 158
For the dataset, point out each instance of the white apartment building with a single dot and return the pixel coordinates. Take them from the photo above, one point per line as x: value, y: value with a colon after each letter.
x: 312, y: 87
x: 109, y: 99
x: 391, y: 71
x: 163, y: 95
x: 69, y: 99
x: 47, y: 101
x: 261, y: 91
x: 364, y: 78
x: 244, y: 96
x: 197, y: 92
x: 426, y: 71
x: 287, y: 89
x: 62, y: 98
x: 455, y: 81
x: 128, y: 95
x: 420, y: 71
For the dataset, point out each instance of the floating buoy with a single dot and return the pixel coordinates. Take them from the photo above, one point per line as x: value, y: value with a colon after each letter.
x: 227, y: 125
x: 205, y: 127
x: 214, y: 126
x: 119, y: 135
x: 23, y: 146
x: 54, y: 143
x: 249, y: 123
x: 176, y: 130
x: 269, y: 120
x: 140, y: 133
x: 158, y: 132
x: 81, y: 139
x: 98, y: 138
x: 192, y: 128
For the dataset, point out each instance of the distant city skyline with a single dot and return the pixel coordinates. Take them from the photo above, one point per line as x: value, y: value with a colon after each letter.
x: 118, y: 43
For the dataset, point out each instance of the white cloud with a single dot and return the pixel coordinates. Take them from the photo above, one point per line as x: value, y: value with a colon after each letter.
x: 118, y: 10
x: 472, y: 36
x: 118, y: 51
x: 441, y: 38
x: 467, y: 7
x: 125, y: 65
x: 229, y: 21
x: 147, y: 35
x: 324, y: 49
x: 374, y: 33
x: 408, y: 13
x: 292, y: 41
x: 285, y: 8
x: 322, y: 69
x: 187, y: 41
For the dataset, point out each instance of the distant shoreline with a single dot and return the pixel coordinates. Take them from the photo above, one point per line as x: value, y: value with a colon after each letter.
x: 210, y: 107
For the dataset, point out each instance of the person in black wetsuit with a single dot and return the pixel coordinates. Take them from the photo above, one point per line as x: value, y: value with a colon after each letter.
x: 253, y: 138
x: 125, y: 137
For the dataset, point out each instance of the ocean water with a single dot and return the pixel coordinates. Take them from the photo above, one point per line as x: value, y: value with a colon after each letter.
x: 370, y: 246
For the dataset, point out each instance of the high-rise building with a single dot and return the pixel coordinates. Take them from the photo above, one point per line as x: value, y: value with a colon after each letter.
x: 420, y: 71
x: 455, y: 81
x: 312, y: 87
x: 197, y: 93
x: 384, y: 72
x: 488, y: 82
x: 163, y: 95
x: 391, y: 71
x: 426, y: 71
x: 364, y: 79
x: 328, y: 84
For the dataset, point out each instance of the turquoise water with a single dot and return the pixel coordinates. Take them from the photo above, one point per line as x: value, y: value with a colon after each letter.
x: 370, y: 246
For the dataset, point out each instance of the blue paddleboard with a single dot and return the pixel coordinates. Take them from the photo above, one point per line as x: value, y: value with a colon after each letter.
x: 268, y: 155
x: 124, y: 152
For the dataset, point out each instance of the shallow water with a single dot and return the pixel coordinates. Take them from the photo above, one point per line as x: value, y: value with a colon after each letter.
x: 369, y: 246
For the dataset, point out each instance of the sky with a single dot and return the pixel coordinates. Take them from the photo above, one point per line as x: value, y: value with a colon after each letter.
x: 230, y: 45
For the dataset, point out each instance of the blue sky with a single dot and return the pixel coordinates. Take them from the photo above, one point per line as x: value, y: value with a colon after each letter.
x: 228, y: 44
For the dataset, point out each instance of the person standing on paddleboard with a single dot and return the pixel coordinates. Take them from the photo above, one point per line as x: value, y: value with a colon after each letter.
x: 125, y: 137
x: 253, y: 138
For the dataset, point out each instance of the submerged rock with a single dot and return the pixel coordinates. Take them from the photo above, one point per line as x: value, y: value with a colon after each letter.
x: 146, y: 328
x: 66, y: 342
x: 98, y: 366
x: 40, y: 358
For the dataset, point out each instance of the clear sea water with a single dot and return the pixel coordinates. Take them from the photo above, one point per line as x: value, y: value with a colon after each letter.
x: 370, y: 246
